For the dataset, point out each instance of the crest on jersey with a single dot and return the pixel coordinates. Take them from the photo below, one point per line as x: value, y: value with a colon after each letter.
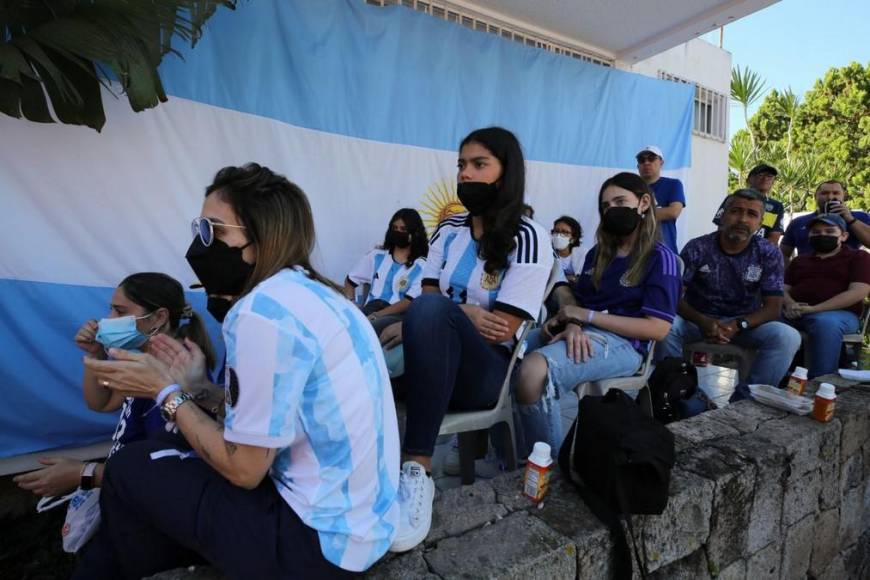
x: 753, y: 273
x: 490, y: 281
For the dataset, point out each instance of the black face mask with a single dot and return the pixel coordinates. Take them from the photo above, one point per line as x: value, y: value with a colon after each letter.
x: 824, y: 244
x: 218, y: 307
x: 220, y: 268
x: 399, y: 239
x: 477, y: 196
x: 620, y: 221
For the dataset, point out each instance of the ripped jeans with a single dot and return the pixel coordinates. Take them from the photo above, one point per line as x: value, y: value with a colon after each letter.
x: 612, y: 357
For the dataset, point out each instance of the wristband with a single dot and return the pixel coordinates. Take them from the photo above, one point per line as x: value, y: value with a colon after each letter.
x: 590, y: 317
x: 87, y: 477
x: 167, y: 390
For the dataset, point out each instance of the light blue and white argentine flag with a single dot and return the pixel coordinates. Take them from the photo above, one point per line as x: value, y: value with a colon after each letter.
x: 362, y: 106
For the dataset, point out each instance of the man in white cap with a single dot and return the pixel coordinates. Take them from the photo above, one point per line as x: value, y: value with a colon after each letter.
x: 668, y: 193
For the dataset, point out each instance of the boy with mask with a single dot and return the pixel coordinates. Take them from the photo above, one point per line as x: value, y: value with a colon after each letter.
x: 824, y: 291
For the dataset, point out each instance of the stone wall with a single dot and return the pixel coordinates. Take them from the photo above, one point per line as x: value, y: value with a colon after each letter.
x: 756, y: 493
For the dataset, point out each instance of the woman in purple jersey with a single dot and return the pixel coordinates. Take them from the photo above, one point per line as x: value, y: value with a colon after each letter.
x: 625, y: 297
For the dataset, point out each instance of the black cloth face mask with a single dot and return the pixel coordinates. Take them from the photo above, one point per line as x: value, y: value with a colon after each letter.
x: 220, y: 268
x: 620, y: 221
x: 824, y: 244
x: 399, y: 239
x: 477, y: 196
x: 218, y: 307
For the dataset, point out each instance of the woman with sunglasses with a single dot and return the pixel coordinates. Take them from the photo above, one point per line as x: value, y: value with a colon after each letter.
x: 486, y: 274
x: 143, y: 306
x: 392, y: 269
x: 300, y: 478
x: 625, y: 296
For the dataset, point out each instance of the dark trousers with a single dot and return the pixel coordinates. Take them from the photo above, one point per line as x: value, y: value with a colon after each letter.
x: 165, y: 513
x: 381, y: 323
x: 448, y: 365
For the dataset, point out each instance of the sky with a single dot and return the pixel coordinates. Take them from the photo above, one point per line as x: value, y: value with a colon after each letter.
x: 794, y: 42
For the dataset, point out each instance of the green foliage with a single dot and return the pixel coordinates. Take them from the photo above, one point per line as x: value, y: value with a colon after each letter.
x: 53, y: 52
x: 824, y: 136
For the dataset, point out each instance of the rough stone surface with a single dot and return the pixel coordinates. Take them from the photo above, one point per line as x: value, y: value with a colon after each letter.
x: 803, y: 440
x: 851, y: 411
x: 829, y: 496
x: 836, y: 570
x: 764, y: 564
x: 798, y: 548
x: 745, y: 416
x: 856, y: 559
x: 685, y: 524
x: 734, y: 571
x: 508, y: 490
x: 458, y: 510
x: 852, y: 472
x: 408, y: 565
x: 694, y: 567
x: 851, y: 514
x: 520, y: 547
x: 824, y: 551
x: 734, y: 481
x: 701, y: 428
x: 801, y: 497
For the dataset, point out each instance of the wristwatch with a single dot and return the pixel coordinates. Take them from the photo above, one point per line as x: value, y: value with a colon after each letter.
x: 742, y: 324
x: 87, y: 479
x: 172, y: 403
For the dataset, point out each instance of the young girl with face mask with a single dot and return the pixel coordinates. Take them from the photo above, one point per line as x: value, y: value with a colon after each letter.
x: 391, y: 270
x: 625, y: 296
x: 142, y: 306
x: 486, y: 273
x: 565, y: 237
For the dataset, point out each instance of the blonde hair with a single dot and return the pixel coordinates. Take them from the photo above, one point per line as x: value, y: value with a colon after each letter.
x: 647, y: 233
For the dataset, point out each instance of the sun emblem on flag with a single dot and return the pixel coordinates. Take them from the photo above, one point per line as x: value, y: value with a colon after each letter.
x: 439, y: 203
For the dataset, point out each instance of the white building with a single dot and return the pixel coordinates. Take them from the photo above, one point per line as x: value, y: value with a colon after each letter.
x: 658, y: 39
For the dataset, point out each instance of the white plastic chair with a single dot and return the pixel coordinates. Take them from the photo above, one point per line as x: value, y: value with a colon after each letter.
x: 471, y: 426
x: 636, y: 382
x: 744, y: 356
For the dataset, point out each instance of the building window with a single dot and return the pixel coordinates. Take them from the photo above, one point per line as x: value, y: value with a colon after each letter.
x: 710, y: 111
x: 446, y: 10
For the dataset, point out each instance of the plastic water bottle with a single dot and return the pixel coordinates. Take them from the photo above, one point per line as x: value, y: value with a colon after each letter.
x: 537, y: 476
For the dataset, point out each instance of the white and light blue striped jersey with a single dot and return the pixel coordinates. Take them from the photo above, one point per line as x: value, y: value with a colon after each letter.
x: 306, y: 376
x: 455, y: 267
x: 389, y: 280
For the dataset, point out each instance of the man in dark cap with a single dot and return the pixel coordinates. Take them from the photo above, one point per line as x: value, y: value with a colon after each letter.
x: 761, y: 179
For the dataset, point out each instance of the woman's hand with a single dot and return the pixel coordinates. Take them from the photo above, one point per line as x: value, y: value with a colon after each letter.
x: 185, y: 362
x: 131, y: 374
x: 391, y: 336
x: 575, y: 312
x: 576, y: 342
x: 86, y: 339
x: 793, y: 310
x: 491, y: 326
x: 549, y: 328
x: 60, y: 475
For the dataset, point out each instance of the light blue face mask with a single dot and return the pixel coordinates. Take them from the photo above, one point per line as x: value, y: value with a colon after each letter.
x: 121, y: 332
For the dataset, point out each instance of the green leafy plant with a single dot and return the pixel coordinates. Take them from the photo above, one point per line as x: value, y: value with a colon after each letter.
x: 56, y: 54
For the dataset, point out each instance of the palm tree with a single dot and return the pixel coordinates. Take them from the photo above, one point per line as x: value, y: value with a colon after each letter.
x: 789, y: 103
x: 740, y: 157
x: 57, y: 52
x: 746, y: 88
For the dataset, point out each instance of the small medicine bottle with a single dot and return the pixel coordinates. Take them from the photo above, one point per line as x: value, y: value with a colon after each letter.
x: 537, y: 476
x: 823, y: 403
x: 797, y: 382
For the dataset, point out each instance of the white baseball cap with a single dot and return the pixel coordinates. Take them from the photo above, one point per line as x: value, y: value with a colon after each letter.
x: 651, y: 149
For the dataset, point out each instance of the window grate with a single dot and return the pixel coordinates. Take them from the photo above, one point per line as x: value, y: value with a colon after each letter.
x: 449, y: 12
x: 710, y: 109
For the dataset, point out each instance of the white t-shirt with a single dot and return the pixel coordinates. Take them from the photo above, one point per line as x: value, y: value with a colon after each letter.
x: 306, y: 376
x: 456, y: 269
x: 389, y: 280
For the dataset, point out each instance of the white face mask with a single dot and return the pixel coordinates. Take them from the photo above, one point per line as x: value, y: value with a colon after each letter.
x: 560, y: 241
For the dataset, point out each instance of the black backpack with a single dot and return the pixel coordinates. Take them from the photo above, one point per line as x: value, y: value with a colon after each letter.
x: 620, y: 460
x: 673, y: 381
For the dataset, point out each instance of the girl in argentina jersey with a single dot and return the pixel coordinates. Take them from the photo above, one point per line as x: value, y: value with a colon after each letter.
x: 625, y: 296
x: 486, y: 273
x: 300, y: 478
x: 391, y: 270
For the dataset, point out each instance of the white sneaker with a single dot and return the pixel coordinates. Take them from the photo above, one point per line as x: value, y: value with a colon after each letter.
x: 416, y: 494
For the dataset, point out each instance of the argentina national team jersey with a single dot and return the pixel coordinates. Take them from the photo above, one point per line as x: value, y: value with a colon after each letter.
x: 456, y: 269
x: 306, y: 377
x: 389, y: 280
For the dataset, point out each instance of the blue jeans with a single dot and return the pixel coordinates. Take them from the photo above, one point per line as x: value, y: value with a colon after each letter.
x: 826, y: 330
x: 775, y: 342
x: 448, y: 365
x: 612, y: 357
